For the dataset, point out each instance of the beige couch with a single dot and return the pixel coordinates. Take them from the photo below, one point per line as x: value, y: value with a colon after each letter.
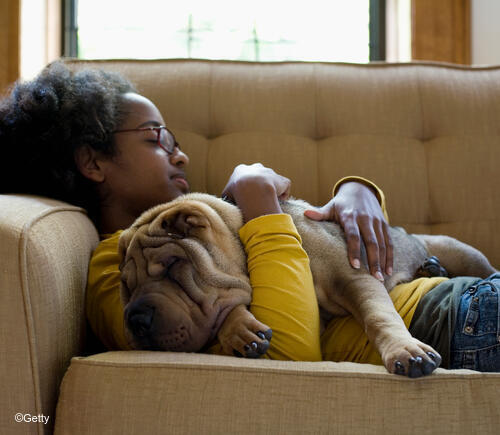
x: 428, y: 134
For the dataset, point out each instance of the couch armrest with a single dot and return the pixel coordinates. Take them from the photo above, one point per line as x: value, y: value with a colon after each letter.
x: 44, y: 253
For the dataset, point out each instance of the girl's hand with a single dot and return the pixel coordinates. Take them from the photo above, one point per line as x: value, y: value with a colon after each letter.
x: 357, y: 210
x: 256, y: 190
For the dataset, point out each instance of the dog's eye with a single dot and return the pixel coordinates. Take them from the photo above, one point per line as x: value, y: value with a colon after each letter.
x: 175, y: 236
x: 166, y: 225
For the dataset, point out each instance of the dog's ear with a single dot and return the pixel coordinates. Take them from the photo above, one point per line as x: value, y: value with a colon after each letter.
x: 185, y: 223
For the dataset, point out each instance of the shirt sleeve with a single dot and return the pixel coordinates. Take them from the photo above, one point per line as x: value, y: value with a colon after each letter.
x: 283, y: 291
x: 103, y: 304
x: 378, y: 192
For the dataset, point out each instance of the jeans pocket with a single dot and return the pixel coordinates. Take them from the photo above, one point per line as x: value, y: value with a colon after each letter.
x: 482, y: 315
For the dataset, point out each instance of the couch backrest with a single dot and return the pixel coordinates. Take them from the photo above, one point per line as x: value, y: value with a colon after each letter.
x: 427, y: 134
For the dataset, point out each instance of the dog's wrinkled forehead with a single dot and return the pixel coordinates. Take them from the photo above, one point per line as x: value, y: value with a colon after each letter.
x: 151, y: 222
x: 186, y: 216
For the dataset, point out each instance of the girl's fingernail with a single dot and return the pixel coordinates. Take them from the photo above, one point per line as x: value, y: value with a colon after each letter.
x: 379, y: 276
x: 389, y: 271
x: 356, y: 264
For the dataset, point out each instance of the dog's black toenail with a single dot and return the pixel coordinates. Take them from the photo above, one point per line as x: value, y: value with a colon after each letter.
x: 268, y: 334
x: 399, y: 368
x: 428, y: 367
x: 253, y: 352
x: 438, y: 360
x: 415, y: 369
x: 261, y: 335
x: 236, y: 353
x: 263, y: 347
x: 418, y: 360
x: 431, y: 355
x: 246, y: 347
x: 254, y: 345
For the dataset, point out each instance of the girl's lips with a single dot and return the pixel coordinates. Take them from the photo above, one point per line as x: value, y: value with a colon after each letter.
x: 182, y: 181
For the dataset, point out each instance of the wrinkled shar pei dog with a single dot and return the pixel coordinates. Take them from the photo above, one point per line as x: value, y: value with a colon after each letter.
x: 184, y: 270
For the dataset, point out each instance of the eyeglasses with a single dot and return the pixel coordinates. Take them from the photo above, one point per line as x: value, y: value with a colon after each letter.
x: 165, y: 139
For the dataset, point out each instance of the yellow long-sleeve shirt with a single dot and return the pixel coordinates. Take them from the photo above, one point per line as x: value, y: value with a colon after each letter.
x: 283, y: 294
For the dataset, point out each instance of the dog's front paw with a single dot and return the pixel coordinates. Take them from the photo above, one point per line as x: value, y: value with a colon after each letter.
x: 242, y: 335
x: 257, y: 347
x: 411, y: 358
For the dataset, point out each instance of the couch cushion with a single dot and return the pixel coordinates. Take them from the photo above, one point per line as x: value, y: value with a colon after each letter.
x: 45, y: 249
x: 159, y: 392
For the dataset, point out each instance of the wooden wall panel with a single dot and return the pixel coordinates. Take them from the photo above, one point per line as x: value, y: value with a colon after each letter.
x: 9, y: 42
x: 441, y: 30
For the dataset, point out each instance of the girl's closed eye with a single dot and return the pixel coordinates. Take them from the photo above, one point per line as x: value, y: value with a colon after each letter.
x: 151, y: 136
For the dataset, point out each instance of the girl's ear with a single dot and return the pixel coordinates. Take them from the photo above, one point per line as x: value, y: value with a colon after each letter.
x: 88, y: 164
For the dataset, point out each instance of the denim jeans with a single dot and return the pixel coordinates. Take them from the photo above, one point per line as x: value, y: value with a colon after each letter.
x: 475, y: 343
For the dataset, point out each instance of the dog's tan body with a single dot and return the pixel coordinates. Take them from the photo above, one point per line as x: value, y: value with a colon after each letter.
x: 183, y: 261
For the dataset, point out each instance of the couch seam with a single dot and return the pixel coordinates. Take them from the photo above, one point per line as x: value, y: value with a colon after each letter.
x: 211, y: 123
x: 28, y: 312
x: 316, y: 131
x: 424, y: 141
x: 282, y: 371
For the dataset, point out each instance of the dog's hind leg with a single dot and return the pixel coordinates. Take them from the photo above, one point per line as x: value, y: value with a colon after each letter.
x: 458, y: 258
x: 431, y: 267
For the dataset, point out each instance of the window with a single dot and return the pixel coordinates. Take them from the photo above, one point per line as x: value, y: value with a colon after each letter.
x: 258, y: 30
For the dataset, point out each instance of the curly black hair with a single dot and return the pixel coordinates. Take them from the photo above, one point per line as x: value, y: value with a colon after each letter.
x: 43, y: 122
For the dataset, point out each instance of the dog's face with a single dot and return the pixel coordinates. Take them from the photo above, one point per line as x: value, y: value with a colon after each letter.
x: 183, y: 269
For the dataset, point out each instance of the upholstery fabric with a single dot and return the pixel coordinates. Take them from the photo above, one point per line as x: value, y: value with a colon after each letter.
x: 45, y: 248
x: 175, y: 393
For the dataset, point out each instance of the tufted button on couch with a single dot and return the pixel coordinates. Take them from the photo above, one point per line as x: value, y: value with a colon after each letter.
x: 427, y: 134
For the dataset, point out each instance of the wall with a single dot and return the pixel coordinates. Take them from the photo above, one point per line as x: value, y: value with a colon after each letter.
x: 40, y: 35
x: 9, y: 42
x: 33, y: 31
x: 485, y: 32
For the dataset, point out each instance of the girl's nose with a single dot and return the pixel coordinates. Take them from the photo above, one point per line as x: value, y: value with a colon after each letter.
x: 179, y: 158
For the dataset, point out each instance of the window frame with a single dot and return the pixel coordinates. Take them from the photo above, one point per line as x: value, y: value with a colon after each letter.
x: 377, y: 29
x: 70, y: 28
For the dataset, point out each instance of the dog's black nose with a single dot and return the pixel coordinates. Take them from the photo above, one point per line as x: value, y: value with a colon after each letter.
x: 140, y: 320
